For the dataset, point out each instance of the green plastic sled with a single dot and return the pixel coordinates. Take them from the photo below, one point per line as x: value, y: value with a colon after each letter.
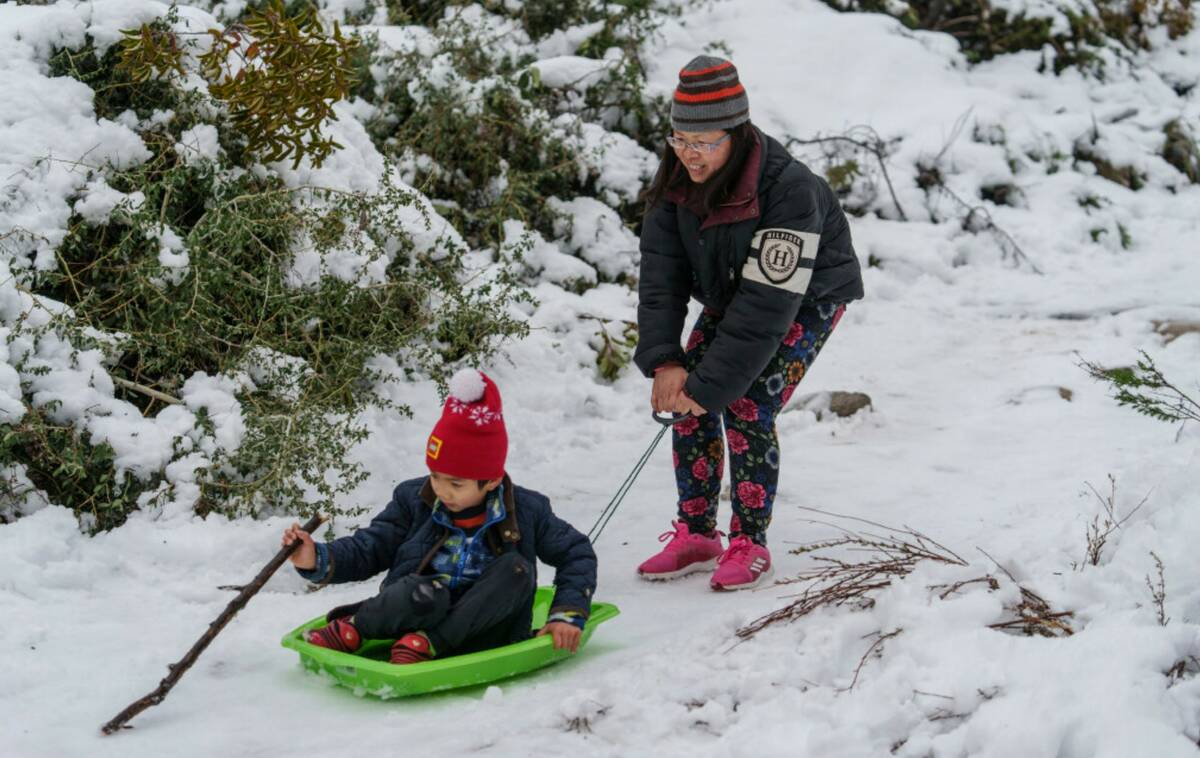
x: 368, y: 672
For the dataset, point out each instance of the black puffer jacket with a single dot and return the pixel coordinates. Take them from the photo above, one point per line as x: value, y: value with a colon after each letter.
x: 780, y: 242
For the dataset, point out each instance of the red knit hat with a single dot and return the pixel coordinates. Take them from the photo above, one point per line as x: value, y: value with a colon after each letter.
x: 469, y: 441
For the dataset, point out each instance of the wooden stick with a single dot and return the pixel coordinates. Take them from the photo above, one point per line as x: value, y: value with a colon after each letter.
x: 178, y: 669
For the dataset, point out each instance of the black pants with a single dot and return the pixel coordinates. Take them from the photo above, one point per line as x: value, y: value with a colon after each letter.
x: 482, y: 617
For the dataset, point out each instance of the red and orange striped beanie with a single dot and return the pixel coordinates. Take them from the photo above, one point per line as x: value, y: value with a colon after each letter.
x: 709, y: 96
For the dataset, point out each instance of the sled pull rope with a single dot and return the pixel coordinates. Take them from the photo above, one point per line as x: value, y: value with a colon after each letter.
x: 607, y: 514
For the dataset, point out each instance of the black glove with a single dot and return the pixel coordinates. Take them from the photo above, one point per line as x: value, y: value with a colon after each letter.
x: 424, y: 595
x: 342, y: 611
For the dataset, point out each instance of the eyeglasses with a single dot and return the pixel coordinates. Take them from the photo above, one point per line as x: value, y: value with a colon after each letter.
x: 700, y: 147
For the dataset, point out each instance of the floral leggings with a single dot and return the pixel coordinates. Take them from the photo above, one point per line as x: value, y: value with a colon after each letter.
x: 749, y: 429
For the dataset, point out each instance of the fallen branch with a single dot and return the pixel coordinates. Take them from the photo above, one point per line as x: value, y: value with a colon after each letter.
x: 893, y: 556
x: 837, y: 582
x: 180, y: 668
x: 147, y: 391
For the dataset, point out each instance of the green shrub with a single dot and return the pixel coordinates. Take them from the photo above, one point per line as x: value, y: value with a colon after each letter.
x: 506, y: 162
x: 477, y: 128
x: 114, y: 86
x: 424, y: 12
x: 69, y: 469
x: 234, y: 306
x: 233, y: 303
x: 613, y: 353
x: 620, y: 100
x: 1145, y: 389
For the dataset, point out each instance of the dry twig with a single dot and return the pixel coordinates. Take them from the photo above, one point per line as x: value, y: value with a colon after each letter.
x: 1098, y: 533
x: 876, y: 648
x: 976, y: 218
x: 583, y: 724
x: 950, y: 589
x: 838, y: 582
x: 892, y: 556
x: 1183, y: 668
x: 872, y: 143
x: 1159, y: 591
x: 1034, y: 617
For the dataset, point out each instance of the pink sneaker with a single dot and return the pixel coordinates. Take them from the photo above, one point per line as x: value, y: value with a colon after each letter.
x: 684, y: 554
x: 744, y: 565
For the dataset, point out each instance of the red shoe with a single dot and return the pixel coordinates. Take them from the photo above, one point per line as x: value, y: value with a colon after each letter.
x: 412, y: 648
x: 338, y: 634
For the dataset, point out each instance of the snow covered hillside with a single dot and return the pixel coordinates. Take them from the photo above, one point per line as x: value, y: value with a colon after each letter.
x: 985, y: 434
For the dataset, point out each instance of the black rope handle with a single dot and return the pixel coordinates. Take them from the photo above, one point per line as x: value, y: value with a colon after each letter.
x: 671, y: 420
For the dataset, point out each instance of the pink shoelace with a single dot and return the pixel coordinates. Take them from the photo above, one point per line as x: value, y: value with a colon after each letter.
x: 679, y: 528
x: 669, y: 534
x: 739, y: 547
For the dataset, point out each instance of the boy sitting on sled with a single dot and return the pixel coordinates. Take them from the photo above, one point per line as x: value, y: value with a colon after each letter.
x: 460, y: 547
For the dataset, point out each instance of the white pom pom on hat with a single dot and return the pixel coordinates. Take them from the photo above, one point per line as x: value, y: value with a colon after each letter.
x: 467, y: 385
x: 469, y: 441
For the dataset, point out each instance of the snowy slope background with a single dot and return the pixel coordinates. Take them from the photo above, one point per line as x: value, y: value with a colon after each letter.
x: 970, y: 441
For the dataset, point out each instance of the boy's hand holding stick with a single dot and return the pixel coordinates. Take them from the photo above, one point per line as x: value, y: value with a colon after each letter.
x: 304, y: 556
x: 177, y: 669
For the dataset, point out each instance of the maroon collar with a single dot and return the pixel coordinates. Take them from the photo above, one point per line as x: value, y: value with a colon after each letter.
x: 743, y: 201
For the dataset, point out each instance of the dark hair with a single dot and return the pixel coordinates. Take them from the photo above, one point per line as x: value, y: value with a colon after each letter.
x: 716, y: 189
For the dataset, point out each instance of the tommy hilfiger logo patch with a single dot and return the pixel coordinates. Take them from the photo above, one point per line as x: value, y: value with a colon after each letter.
x: 782, y: 258
x: 778, y: 254
x: 434, y: 448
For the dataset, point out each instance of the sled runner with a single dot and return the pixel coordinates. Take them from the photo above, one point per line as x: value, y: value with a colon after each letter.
x: 367, y: 672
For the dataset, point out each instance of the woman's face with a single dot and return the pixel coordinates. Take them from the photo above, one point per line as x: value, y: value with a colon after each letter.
x: 701, y: 165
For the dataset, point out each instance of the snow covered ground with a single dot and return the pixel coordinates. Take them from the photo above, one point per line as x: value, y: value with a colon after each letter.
x: 970, y: 441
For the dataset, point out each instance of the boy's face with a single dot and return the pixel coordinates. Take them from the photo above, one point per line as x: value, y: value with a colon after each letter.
x: 459, y: 494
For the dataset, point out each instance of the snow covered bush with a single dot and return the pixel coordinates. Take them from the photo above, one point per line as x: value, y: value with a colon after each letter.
x: 1075, y: 33
x: 225, y: 316
x: 492, y: 132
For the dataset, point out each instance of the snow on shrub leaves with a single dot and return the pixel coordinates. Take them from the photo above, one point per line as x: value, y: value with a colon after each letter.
x: 201, y: 262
